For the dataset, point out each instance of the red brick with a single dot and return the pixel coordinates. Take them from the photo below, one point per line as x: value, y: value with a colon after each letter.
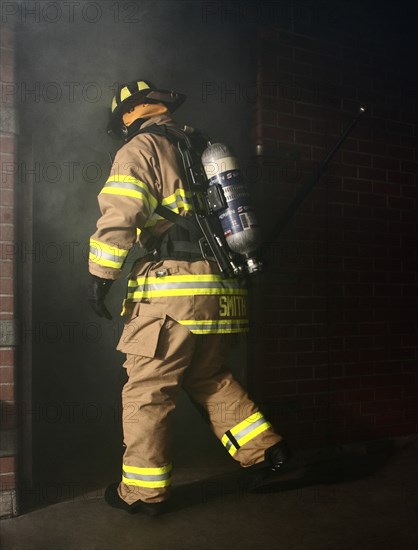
x: 7, y: 357
x: 409, y: 166
x: 403, y: 203
x: 8, y: 415
x: 391, y: 393
x: 372, y: 147
x: 345, y: 383
x: 6, y: 375
x: 6, y: 196
x: 403, y: 153
x: 6, y: 214
x: 311, y: 139
x: 300, y: 428
x: 372, y: 173
x: 386, y: 380
x: 389, y: 418
x: 7, y: 145
x: 280, y: 105
x: 400, y: 128
x: 397, y: 430
x: 381, y: 407
x: 7, y: 482
x: 7, y: 464
x: 313, y: 386
x: 411, y: 391
x: 276, y: 389
x: 6, y: 287
x: 401, y: 178
x: 6, y: 268
x: 7, y: 73
x: 388, y: 138
x: 314, y: 111
x: 6, y: 304
x: 7, y: 392
x: 358, y: 395
x: 6, y: 232
x: 410, y: 191
x: 328, y: 371
x: 388, y: 214
x: 276, y: 359
x: 387, y: 188
x: 294, y: 373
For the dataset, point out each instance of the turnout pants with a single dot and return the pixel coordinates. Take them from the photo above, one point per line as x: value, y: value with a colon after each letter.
x: 169, y: 357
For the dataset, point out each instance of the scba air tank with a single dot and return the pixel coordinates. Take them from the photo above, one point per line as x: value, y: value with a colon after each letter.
x: 237, y: 218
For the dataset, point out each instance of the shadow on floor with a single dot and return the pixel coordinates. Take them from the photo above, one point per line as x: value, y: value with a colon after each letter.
x: 344, y: 467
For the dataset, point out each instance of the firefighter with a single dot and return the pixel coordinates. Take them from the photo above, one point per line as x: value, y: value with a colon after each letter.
x: 181, y: 316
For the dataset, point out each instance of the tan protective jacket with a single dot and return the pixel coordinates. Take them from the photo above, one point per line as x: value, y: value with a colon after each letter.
x: 147, y: 171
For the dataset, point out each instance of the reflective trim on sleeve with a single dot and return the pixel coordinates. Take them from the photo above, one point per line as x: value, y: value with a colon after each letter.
x: 244, y: 432
x: 219, y: 326
x: 107, y: 255
x: 128, y: 186
x: 183, y: 285
x: 180, y: 199
x: 147, y: 477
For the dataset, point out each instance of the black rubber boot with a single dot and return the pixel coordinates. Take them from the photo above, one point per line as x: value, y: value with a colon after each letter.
x: 277, y: 460
x: 112, y: 497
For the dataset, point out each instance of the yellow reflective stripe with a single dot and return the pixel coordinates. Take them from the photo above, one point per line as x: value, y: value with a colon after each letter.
x: 183, y: 285
x: 107, y: 255
x: 211, y: 322
x: 126, y: 178
x: 225, y: 439
x: 143, y: 477
x: 243, y: 440
x: 245, y: 431
x: 142, y: 483
x: 125, y: 193
x: 245, y: 423
x: 148, y: 471
x: 181, y: 279
x: 109, y: 249
x: 130, y: 187
x: 178, y: 193
x: 179, y: 199
x: 185, y: 292
x: 217, y: 330
x: 230, y: 448
x: 103, y: 262
x: 218, y: 326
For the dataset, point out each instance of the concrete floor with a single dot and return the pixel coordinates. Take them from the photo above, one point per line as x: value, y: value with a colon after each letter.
x: 362, y: 498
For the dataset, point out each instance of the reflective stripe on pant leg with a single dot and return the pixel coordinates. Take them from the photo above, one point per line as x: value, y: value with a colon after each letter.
x: 245, y: 431
x: 147, y: 477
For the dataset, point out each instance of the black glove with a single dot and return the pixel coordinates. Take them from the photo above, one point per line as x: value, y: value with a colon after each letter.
x: 96, y: 294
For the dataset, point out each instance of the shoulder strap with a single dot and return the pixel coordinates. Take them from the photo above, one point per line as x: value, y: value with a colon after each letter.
x: 185, y: 222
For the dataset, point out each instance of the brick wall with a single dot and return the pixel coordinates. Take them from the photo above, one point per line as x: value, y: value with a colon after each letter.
x: 8, y: 436
x: 335, y: 347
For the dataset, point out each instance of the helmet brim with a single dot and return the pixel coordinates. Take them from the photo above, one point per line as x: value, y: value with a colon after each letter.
x: 172, y: 100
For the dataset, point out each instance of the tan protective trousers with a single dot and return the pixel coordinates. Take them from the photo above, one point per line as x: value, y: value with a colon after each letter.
x: 196, y: 363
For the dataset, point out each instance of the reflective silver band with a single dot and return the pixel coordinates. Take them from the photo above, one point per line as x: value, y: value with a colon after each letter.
x: 106, y: 255
x: 144, y: 477
x: 249, y: 428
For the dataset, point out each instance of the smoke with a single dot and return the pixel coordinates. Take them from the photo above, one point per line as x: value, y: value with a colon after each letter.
x: 71, y: 56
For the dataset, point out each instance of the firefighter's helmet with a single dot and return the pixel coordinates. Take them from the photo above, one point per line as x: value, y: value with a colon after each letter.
x: 136, y: 93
